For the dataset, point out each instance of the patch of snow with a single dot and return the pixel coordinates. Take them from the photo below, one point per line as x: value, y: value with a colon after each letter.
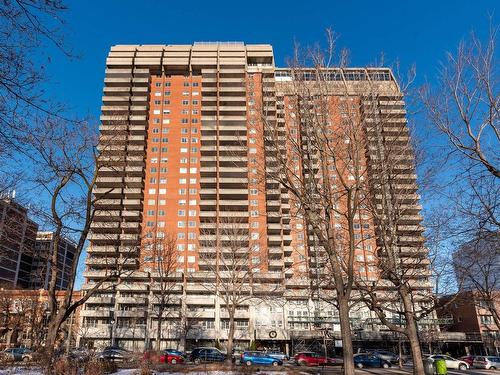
x: 21, y: 371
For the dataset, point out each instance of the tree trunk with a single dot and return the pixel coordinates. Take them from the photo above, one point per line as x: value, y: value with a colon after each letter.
x: 345, y: 333
x: 158, y: 332
x: 50, y: 342
x: 230, y: 336
x: 412, y: 333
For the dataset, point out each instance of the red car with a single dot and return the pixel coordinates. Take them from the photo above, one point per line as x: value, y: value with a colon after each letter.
x: 171, y: 356
x: 312, y: 359
x: 469, y: 359
x: 165, y: 356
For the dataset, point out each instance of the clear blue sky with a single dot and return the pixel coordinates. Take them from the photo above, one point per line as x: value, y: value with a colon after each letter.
x: 412, y: 31
x: 418, y: 32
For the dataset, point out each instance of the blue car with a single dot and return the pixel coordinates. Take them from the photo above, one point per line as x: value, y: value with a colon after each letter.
x: 259, y: 358
x: 370, y: 360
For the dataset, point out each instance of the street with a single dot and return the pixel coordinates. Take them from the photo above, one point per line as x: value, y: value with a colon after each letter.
x: 397, y: 371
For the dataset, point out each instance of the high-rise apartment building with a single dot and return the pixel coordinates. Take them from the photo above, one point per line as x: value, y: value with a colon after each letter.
x: 17, y: 241
x: 41, y: 264
x: 183, y: 155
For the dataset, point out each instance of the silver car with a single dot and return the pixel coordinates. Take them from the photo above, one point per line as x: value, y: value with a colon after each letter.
x: 487, y: 362
x: 451, y: 363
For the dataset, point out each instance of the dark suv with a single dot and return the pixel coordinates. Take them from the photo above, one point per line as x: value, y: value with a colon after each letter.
x: 199, y: 355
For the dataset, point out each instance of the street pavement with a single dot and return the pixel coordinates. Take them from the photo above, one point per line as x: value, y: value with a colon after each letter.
x: 394, y: 371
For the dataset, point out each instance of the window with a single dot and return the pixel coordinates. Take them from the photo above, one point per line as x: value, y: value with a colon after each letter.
x: 181, y: 235
x: 181, y: 224
x: 192, y: 212
x: 182, y: 191
x: 192, y: 181
x: 191, y: 235
x: 151, y: 202
x: 184, y: 140
x: 163, y: 191
x: 184, y: 121
x: 192, y: 170
x: 192, y: 202
x: 166, y: 102
x: 191, y: 259
x: 152, y: 191
x: 167, y: 84
x: 192, y: 224
x: 195, y: 102
x: 184, y: 150
x: 182, y: 170
x: 253, y: 191
x: 182, y: 181
x: 191, y: 247
x: 185, y: 102
x: 181, y: 212
x: 182, y: 202
x: 167, y: 93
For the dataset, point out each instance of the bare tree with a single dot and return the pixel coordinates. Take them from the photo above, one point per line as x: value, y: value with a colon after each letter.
x: 465, y: 105
x: 163, y: 278
x: 26, y: 27
x: 229, y: 269
x: 67, y: 163
x: 477, y: 267
x: 400, y: 293
x: 320, y: 158
x: 22, y: 317
x: 464, y: 108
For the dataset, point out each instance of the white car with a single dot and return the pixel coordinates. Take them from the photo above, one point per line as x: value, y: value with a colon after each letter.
x: 487, y: 362
x: 451, y: 363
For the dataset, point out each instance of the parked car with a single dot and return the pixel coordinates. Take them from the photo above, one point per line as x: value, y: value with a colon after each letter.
x: 115, y: 354
x: 199, y: 355
x: 17, y: 354
x: 79, y: 355
x: 312, y: 359
x: 487, y: 362
x: 259, y: 358
x: 468, y: 358
x: 370, y: 360
x: 172, y: 356
x: 451, y: 363
x: 278, y: 355
x: 386, y: 355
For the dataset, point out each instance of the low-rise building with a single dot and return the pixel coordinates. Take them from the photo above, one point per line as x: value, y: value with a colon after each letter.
x: 473, y: 317
x: 24, y: 317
